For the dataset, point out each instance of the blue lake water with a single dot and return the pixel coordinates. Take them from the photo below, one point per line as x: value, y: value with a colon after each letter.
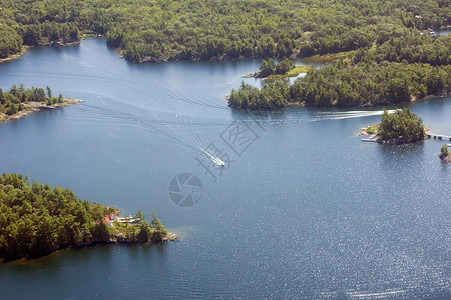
x: 303, y: 209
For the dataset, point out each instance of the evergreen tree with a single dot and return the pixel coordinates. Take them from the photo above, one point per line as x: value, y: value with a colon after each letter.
x: 145, y: 232
x: 284, y: 66
x: 49, y: 92
x: 159, y: 230
x: 267, y: 67
x: 401, y: 127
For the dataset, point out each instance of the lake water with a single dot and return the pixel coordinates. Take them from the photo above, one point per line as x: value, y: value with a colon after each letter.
x: 444, y: 31
x: 303, y: 209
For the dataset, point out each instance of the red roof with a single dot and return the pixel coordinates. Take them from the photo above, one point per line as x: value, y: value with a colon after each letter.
x: 107, y: 217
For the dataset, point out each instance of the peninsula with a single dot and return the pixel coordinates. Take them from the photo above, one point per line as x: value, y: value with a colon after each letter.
x: 348, y: 83
x: 19, y: 102
x: 36, y: 220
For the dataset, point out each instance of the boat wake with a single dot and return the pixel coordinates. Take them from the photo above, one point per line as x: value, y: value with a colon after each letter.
x: 213, y: 157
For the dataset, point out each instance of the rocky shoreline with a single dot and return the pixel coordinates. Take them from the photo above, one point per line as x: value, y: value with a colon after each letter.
x: 446, y: 158
x: 114, y: 240
x: 122, y: 239
x: 32, y: 107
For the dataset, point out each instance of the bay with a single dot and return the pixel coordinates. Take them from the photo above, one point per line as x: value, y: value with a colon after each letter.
x: 303, y: 209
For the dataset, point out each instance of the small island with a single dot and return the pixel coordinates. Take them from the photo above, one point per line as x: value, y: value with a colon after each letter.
x: 399, y: 127
x: 36, y: 220
x: 270, y: 70
x: 19, y: 102
x: 445, y: 154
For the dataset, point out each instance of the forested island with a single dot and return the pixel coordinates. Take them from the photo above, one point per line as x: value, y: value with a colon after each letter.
x: 19, y: 101
x: 399, y: 127
x: 36, y: 219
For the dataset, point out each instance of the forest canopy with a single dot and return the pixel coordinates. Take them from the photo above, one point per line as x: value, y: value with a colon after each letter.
x: 36, y: 219
x: 392, y: 52
x: 346, y: 84
x: 151, y: 30
x: 14, y: 100
x: 401, y: 127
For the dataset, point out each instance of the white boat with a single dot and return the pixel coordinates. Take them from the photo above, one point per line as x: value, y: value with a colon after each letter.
x: 213, y: 158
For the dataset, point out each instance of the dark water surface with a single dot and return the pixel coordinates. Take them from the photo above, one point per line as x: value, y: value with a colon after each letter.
x: 304, y: 209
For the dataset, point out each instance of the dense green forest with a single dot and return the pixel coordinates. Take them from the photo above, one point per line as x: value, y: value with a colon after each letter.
x: 348, y: 84
x: 17, y: 97
x: 401, y: 127
x: 393, y: 55
x: 36, y: 219
x: 149, y: 30
x: 270, y: 67
x: 406, y: 66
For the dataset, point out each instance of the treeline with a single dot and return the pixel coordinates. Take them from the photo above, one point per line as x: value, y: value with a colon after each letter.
x: 410, y: 46
x: 13, y: 100
x: 48, y: 33
x: 270, y: 67
x: 347, y: 84
x: 272, y: 96
x: 36, y: 219
x: 401, y: 127
x: 10, y: 41
x: 217, y: 29
x: 145, y: 232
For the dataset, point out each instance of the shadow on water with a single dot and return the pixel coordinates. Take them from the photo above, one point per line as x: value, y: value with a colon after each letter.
x: 391, y: 154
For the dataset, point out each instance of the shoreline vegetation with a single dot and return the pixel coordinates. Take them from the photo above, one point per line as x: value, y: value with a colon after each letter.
x: 348, y: 83
x: 384, y: 52
x: 146, y: 31
x: 397, y: 128
x: 49, y: 43
x: 15, y: 56
x: 269, y: 70
x: 57, y: 43
x: 32, y: 107
x: 19, y: 102
x: 36, y: 220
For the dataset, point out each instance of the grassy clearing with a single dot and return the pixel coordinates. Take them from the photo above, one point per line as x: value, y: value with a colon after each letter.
x: 292, y: 73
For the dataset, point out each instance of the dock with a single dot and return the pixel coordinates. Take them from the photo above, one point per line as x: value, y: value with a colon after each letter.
x: 438, y: 136
x: 372, y: 138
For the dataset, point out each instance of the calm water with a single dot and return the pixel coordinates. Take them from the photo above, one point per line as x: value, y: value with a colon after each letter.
x: 305, y: 209
x: 444, y: 31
